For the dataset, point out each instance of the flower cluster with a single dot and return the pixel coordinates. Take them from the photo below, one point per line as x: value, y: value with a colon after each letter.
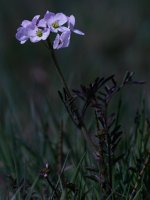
x: 40, y: 29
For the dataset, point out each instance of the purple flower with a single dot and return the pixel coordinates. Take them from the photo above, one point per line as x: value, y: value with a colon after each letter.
x: 71, y: 24
x: 34, y: 30
x: 38, y: 31
x: 37, y: 34
x: 22, y: 33
x: 56, y: 21
x: 62, y: 41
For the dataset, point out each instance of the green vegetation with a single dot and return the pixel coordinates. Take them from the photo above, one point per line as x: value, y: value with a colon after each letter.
x: 56, y: 161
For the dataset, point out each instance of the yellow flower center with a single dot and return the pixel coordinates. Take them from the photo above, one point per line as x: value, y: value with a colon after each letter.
x: 55, y: 25
x: 39, y: 33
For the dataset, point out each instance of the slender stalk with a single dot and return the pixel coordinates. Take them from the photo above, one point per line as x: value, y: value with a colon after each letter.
x: 82, y: 125
x: 58, y: 68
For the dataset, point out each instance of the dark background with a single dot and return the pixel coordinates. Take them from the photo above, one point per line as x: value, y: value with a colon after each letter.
x: 117, y: 39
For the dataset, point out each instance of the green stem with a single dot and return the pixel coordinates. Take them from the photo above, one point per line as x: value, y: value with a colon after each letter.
x: 82, y: 125
x: 58, y: 68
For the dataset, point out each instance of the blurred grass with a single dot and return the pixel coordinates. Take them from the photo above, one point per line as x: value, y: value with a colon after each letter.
x: 23, y: 152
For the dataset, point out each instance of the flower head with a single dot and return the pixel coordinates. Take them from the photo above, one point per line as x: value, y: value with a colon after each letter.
x: 39, y: 29
x: 34, y: 30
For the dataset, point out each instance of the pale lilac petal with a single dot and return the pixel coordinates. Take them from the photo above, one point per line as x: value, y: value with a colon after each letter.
x: 63, y: 29
x: 32, y: 31
x: 50, y: 21
x: 25, y: 23
x: 42, y: 23
x: 65, y: 38
x: 22, y: 42
x: 48, y: 15
x: 21, y: 38
x: 20, y: 28
x: 56, y: 41
x: 71, y: 22
x: 78, y: 32
x: 21, y: 34
x: 46, y: 33
x: 35, y: 19
x: 35, y: 39
x: 61, y: 18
